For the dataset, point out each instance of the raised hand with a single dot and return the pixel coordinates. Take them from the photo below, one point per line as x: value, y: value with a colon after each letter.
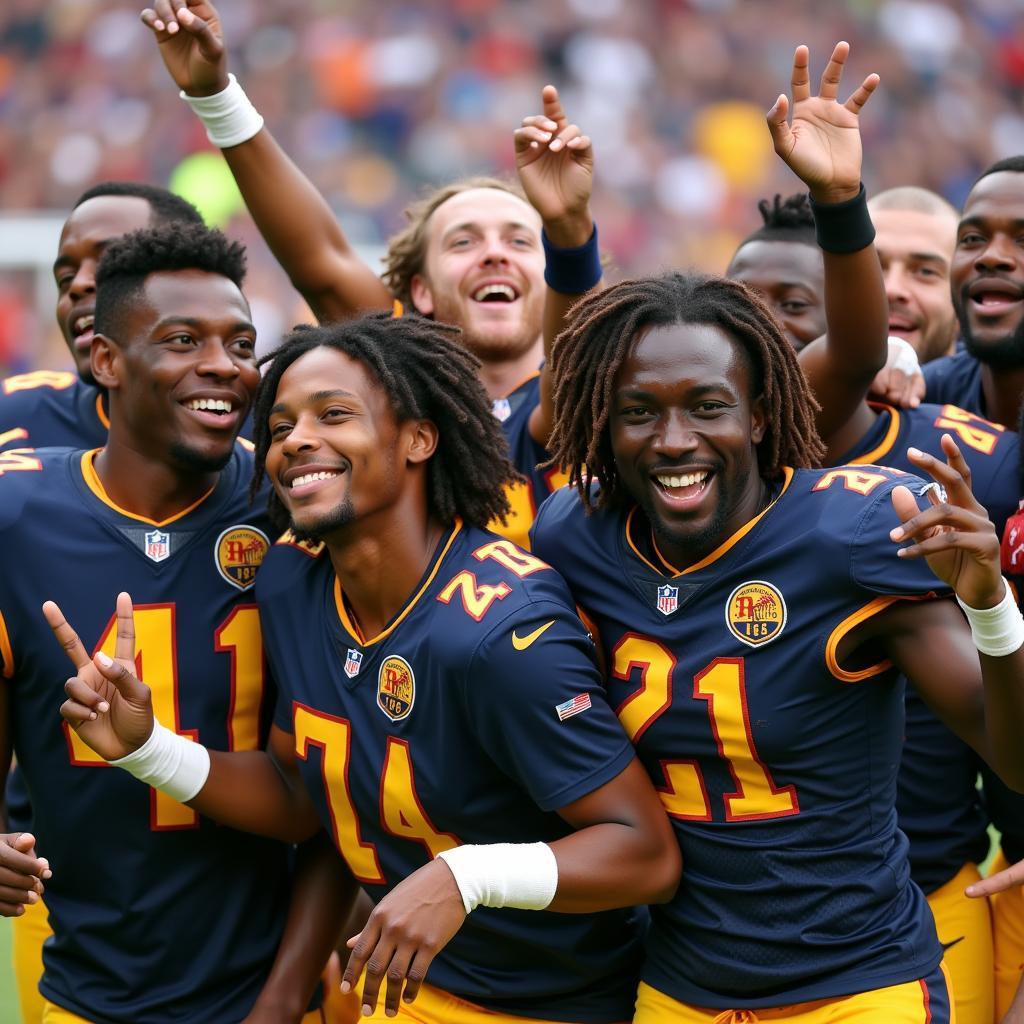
x: 21, y: 873
x: 191, y: 44
x: 555, y: 162
x: 107, y: 705
x: 403, y: 934
x: 822, y: 145
x: 955, y: 535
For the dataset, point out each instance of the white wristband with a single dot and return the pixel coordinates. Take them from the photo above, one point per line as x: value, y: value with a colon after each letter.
x: 996, y: 631
x: 523, y: 875
x: 171, y: 763
x: 230, y: 119
x: 903, y: 356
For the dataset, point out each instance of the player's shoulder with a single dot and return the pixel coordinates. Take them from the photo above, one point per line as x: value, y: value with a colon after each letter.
x: 567, y: 524
x: 24, y: 394
x: 31, y: 480
x: 287, y: 565
x: 947, y: 377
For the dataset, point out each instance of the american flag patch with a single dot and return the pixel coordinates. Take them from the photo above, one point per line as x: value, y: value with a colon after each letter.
x: 572, y: 707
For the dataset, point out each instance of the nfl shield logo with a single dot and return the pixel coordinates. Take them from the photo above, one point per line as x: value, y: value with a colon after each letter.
x: 668, y: 599
x: 158, y: 545
x: 502, y: 409
x: 353, y: 662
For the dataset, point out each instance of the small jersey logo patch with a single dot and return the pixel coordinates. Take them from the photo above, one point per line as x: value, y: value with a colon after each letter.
x: 668, y: 599
x: 501, y: 408
x: 396, y: 688
x: 755, y: 613
x: 520, y: 643
x: 158, y: 545
x: 353, y: 662
x: 572, y: 707
x: 239, y: 552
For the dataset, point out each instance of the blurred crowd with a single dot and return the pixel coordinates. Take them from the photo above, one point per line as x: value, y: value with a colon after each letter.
x: 376, y: 99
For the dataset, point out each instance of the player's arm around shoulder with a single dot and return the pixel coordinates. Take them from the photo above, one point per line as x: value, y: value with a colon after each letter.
x: 971, y: 673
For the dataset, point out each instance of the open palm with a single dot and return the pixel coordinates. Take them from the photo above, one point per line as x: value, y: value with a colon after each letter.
x: 191, y: 44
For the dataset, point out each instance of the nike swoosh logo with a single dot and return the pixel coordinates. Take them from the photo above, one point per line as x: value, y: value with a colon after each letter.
x: 520, y: 643
x: 946, y: 946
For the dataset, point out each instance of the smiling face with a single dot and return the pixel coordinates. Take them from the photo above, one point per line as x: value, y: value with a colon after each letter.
x: 337, y: 451
x: 484, y: 272
x: 684, y: 428
x: 88, y: 230
x: 916, y: 250
x: 182, y: 371
x: 790, y: 277
x: 987, y: 276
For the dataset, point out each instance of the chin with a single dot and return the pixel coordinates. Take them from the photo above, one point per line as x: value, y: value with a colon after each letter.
x: 202, y: 460
x: 315, y: 527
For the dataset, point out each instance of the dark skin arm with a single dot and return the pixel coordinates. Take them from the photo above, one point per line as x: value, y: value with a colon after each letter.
x: 979, y: 697
x: 623, y: 853
x: 294, y: 219
x: 322, y: 896
x: 823, y: 147
x: 253, y: 791
x: 555, y: 163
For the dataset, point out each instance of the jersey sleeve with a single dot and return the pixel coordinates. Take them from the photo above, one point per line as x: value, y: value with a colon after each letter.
x: 536, y: 702
x: 874, y: 563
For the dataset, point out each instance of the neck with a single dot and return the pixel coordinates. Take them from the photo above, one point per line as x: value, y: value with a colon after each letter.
x: 501, y: 377
x: 145, y: 486
x: 1002, y: 391
x: 380, y: 563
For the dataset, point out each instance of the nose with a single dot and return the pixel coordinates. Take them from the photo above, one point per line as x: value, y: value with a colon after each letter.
x: 84, y: 281
x: 494, y: 250
x: 998, y: 254
x: 302, y: 437
x: 895, y: 278
x: 216, y: 361
x: 675, y: 435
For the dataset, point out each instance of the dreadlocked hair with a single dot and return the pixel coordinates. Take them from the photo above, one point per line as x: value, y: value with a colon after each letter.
x: 602, y: 327
x: 407, y: 250
x: 428, y: 375
x: 785, y: 220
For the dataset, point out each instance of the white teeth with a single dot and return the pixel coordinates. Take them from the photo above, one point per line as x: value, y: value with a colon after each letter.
x: 82, y: 324
x: 308, y: 478
x: 687, y: 480
x: 504, y: 290
x: 210, y: 404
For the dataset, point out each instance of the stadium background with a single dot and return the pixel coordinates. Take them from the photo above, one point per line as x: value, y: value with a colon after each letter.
x: 377, y: 98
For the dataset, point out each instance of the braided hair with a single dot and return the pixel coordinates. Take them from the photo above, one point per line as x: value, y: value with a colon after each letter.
x: 427, y: 374
x: 602, y: 327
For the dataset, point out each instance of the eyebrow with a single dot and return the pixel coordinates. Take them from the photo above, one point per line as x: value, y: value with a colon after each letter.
x: 977, y: 222
x: 928, y: 257
x: 316, y: 396
x: 469, y: 225
x: 67, y: 261
x: 191, y: 321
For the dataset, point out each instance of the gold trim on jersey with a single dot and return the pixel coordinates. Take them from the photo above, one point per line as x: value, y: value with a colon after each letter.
x: 92, y: 481
x: 6, y: 651
x: 525, y: 380
x: 353, y: 629
x: 848, y: 624
x: 719, y: 551
x: 885, y: 445
x: 102, y: 413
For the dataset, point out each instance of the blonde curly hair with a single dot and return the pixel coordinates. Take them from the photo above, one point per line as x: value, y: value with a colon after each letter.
x: 407, y: 250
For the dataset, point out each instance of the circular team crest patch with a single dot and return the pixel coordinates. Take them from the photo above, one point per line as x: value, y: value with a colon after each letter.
x: 396, y: 688
x: 239, y: 553
x: 755, y: 613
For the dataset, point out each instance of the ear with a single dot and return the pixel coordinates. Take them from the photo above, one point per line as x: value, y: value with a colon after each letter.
x: 423, y: 436
x: 421, y: 295
x: 758, y: 420
x: 104, y: 357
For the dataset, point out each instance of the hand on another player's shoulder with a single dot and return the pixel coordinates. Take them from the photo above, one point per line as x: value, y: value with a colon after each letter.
x: 954, y: 533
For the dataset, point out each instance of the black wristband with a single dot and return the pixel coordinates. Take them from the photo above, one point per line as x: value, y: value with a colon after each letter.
x: 572, y: 271
x: 845, y: 227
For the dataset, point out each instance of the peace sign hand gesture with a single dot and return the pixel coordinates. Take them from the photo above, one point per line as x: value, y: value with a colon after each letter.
x: 107, y: 705
x: 822, y: 145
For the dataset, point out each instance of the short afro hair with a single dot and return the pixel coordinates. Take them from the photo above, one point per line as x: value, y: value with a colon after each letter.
x: 166, y: 206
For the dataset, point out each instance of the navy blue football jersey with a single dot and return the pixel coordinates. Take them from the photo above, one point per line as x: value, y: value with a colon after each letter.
x: 158, y: 915
x: 939, y: 806
x: 955, y: 380
x: 51, y: 409
x: 514, y: 412
x: 472, y: 718
x: 776, y: 763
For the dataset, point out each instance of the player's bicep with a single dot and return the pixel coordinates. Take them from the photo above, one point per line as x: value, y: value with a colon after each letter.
x: 930, y: 642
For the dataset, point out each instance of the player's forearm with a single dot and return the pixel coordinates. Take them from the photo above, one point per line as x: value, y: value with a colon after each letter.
x: 856, y: 315
x: 302, y: 231
x: 247, y: 791
x: 322, y: 897
x: 1004, y: 715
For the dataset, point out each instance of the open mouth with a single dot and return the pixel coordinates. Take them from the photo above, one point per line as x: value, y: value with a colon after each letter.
x: 495, y: 293
x: 995, y: 296
x: 312, y: 481
x: 82, y: 331
x: 214, y: 412
x: 683, y: 488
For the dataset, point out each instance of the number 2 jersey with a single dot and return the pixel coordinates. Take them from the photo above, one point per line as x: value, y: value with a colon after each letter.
x: 776, y: 763
x: 159, y: 915
x: 472, y: 717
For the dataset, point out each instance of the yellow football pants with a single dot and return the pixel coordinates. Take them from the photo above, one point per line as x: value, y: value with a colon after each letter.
x: 28, y: 933
x: 433, y: 1006
x: 915, y: 1002
x: 1008, y: 940
x: 965, y: 930
x: 53, y: 1014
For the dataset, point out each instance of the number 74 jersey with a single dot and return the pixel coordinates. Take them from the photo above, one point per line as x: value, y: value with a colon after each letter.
x: 775, y: 761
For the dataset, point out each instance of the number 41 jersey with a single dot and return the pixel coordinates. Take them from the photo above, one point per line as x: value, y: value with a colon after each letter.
x: 776, y: 763
x: 159, y: 915
x: 472, y: 717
